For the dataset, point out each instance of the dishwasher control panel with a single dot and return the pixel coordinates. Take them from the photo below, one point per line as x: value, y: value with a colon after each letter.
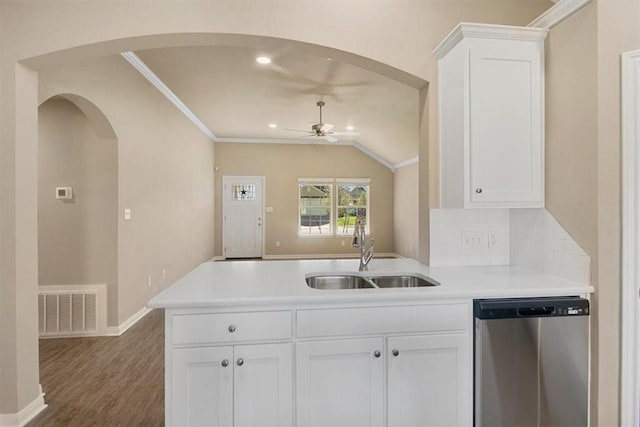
x: 511, y: 308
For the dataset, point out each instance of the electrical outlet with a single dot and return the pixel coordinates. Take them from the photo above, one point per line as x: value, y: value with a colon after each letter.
x: 277, y: 244
x: 164, y: 273
x: 149, y: 282
x: 127, y: 214
x: 491, y: 240
x: 342, y: 242
x: 473, y: 239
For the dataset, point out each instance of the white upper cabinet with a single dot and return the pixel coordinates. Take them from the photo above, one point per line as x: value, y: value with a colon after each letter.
x: 491, y: 104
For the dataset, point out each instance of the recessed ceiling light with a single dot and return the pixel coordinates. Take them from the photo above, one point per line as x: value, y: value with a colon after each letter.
x: 273, y: 125
x: 263, y: 60
x: 350, y: 128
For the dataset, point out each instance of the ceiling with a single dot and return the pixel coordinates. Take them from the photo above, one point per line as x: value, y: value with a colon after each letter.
x: 235, y: 97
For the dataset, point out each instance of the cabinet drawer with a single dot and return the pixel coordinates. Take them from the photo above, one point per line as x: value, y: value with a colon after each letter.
x: 383, y: 320
x: 230, y: 327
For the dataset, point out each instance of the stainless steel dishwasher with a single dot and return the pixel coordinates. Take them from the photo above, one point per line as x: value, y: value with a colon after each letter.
x: 531, y: 362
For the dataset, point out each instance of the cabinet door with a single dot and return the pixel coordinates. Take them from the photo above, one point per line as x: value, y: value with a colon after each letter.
x: 201, y: 387
x: 340, y: 383
x: 263, y: 385
x: 505, y: 127
x: 429, y: 381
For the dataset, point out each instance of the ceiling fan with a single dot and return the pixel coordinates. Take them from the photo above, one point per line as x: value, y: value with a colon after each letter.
x: 323, y: 130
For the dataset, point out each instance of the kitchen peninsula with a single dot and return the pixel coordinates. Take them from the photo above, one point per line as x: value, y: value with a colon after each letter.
x: 249, y: 343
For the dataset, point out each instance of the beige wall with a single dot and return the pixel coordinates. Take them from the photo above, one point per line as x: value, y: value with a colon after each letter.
x: 572, y: 144
x: 282, y: 165
x: 617, y: 32
x: 165, y: 176
x: 405, y: 211
x: 411, y: 30
x: 77, y: 239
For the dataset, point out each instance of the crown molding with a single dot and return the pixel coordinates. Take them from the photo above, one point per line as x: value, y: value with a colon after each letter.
x: 487, y: 31
x: 139, y: 65
x: 406, y: 163
x: 557, y: 13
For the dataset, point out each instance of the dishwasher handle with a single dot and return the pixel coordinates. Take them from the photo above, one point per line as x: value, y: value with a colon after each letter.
x: 535, y: 311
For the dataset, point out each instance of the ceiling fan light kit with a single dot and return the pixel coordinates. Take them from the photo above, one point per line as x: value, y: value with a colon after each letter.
x: 323, y: 130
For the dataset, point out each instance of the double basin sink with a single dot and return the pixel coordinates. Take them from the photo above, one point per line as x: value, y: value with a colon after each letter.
x: 352, y: 281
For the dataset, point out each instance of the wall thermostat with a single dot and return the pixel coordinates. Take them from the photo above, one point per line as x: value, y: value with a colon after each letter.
x: 64, y: 193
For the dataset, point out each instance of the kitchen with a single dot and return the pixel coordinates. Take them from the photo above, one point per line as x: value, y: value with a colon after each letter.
x: 569, y: 184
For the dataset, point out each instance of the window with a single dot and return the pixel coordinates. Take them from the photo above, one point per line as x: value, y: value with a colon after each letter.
x: 352, y: 203
x: 315, y: 204
x: 322, y: 215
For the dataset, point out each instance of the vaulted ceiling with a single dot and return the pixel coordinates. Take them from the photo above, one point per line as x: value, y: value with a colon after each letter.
x: 237, y: 98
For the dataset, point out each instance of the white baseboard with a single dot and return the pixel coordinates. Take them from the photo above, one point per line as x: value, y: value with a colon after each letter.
x: 26, y: 414
x: 327, y: 256
x: 116, y: 331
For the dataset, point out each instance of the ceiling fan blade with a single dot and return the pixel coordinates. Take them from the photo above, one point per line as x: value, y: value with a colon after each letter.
x: 330, y: 138
x: 326, y: 127
x: 346, y: 133
x: 296, y: 130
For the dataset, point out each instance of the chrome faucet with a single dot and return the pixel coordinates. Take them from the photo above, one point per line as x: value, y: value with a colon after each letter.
x: 358, y: 241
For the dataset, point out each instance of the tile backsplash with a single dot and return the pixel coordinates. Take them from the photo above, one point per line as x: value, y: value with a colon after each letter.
x: 529, y: 238
x: 469, y: 237
x: 539, y: 242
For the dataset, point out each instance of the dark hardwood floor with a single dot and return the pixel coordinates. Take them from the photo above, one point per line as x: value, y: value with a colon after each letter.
x: 105, y: 381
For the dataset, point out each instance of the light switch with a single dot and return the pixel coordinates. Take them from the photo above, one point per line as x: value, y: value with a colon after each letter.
x: 269, y: 209
x: 127, y: 214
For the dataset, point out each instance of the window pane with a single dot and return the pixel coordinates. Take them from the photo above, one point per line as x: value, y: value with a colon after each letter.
x: 315, y: 209
x: 352, y: 204
x: 243, y: 192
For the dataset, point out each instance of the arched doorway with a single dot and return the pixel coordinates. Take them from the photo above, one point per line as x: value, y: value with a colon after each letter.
x: 77, y: 234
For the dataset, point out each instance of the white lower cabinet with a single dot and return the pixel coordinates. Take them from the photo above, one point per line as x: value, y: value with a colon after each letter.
x: 201, y: 387
x: 243, y: 385
x: 340, y: 383
x: 263, y: 385
x: 428, y: 381
x: 403, y: 365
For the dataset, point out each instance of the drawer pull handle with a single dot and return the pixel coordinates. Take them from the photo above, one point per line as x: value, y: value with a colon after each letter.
x: 225, y: 363
x: 376, y: 353
x: 240, y: 362
x: 395, y: 352
x: 232, y: 328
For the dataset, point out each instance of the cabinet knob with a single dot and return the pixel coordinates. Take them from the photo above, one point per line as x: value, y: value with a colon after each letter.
x: 240, y: 361
x: 395, y: 352
x: 478, y: 190
x: 232, y: 328
x: 376, y: 353
x: 225, y: 363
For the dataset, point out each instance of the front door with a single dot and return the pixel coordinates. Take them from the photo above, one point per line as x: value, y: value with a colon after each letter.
x: 242, y: 216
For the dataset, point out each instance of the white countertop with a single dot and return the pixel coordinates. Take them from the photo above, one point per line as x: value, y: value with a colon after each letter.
x: 239, y: 283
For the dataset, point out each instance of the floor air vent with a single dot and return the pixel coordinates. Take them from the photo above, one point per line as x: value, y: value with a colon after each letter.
x: 66, y: 311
